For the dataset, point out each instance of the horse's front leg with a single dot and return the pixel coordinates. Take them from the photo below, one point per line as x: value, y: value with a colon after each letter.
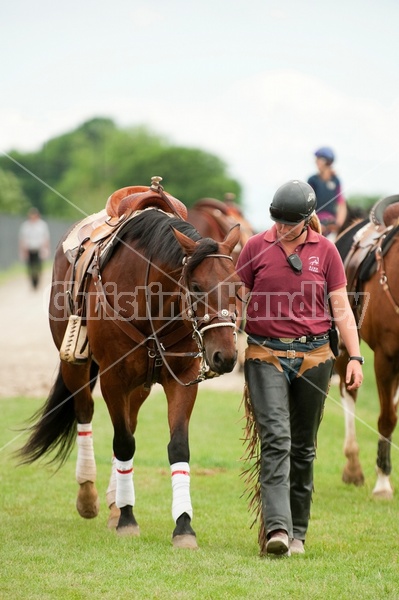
x: 121, y: 493
x: 180, y: 405
x: 122, y: 470
x: 387, y: 384
x: 125, y: 497
x: 137, y: 397
x: 77, y: 377
x: 352, y: 472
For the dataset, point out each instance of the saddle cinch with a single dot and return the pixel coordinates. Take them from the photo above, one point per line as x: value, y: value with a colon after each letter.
x: 92, y: 240
x: 363, y: 245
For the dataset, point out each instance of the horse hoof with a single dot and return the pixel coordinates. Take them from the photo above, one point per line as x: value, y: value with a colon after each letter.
x: 88, y: 503
x: 128, y: 531
x: 356, y: 479
x: 383, y: 495
x: 114, y: 514
x: 185, y: 541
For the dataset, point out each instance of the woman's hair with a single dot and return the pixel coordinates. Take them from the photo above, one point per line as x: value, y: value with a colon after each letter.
x: 314, y: 223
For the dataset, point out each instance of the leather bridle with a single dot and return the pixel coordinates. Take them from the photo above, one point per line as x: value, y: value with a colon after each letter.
x: 221, y: 318
x: 158, y: 342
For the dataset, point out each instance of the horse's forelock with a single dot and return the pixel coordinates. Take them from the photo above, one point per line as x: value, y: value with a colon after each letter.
x: 205, y: 247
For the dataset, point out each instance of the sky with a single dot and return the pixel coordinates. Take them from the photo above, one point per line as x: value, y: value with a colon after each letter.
x: 260, y: 83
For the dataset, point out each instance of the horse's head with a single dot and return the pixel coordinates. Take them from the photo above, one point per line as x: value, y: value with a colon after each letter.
x: 209, y: 284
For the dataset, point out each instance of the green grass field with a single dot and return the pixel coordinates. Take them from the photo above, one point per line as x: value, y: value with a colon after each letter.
x: 48, y: 552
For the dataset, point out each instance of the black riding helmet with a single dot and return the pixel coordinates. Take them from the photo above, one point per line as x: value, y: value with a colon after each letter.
x: 293, y: 202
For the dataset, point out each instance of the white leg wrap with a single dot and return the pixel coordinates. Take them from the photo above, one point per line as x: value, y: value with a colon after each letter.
x: 111, y: 490
x: 181, y: 502
x: 85, y: 464
x: 124, y: 483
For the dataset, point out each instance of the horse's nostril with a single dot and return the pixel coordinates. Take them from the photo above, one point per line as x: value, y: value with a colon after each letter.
x: 218, y: 359
x: 221, y: 364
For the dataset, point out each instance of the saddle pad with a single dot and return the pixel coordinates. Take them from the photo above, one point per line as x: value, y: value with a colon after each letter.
x: 345, y: 240
x: 89, y: 223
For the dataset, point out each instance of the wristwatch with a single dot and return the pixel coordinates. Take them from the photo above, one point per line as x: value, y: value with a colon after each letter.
x: 358, y: 358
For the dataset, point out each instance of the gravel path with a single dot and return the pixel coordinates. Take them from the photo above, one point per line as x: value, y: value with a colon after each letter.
x: 28, y: 357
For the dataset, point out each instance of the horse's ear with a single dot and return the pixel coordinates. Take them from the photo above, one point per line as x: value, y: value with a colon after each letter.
x: 187, y: 244
x: 231, y: 239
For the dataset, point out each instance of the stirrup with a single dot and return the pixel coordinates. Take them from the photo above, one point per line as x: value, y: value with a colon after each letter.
x: 75, y: 345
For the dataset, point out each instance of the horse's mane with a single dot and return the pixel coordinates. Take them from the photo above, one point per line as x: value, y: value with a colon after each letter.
x: 153, y: 236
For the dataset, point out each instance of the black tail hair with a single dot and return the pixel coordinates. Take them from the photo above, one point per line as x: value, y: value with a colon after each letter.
x: 54, y: 427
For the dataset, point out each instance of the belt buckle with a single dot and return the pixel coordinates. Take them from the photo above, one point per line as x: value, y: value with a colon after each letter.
x: 286, y: 340
x: 302, y: 339
x: 291, y: 354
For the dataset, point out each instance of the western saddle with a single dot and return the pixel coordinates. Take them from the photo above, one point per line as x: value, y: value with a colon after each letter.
x: 91, y: 241
x: 370, y: 241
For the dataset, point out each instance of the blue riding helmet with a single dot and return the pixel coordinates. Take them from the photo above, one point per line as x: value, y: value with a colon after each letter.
x: 325, y: 153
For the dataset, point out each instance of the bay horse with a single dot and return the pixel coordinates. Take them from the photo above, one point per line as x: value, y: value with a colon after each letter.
x: 159, y: 307
x: 213, y: 218
x: 370, y: 250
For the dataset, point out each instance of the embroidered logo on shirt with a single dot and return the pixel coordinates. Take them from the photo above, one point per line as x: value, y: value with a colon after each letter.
x: 314, y: 264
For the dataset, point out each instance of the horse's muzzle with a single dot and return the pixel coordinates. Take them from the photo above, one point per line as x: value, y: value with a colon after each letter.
x: 221, y: 362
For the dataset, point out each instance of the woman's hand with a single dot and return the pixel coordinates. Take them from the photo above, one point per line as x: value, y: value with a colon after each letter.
x: 354, y: 375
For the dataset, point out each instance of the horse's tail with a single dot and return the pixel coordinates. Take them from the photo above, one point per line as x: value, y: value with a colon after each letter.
x: 54, y: 427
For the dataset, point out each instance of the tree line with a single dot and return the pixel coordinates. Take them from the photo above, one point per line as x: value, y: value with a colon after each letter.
x: 75, y: 173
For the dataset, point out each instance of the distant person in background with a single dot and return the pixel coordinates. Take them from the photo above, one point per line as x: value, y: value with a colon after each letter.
x: 34, y: 244
x: 330, y: 200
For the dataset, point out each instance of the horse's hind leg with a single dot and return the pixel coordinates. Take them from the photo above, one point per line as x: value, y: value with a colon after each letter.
x: 114, y: 511
x: 77, y: 378
x: 387, y: 384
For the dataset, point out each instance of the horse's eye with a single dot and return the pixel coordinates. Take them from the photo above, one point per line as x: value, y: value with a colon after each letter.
x: 195, y: 288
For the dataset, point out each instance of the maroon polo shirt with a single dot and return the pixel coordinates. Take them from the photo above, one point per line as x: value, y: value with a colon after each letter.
x: 284, y: 303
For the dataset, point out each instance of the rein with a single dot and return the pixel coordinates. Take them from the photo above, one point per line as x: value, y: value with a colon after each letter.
x: 156, y: 344
x: 199, y: 326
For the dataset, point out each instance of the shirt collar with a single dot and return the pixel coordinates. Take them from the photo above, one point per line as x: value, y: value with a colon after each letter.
x: 271, y: 235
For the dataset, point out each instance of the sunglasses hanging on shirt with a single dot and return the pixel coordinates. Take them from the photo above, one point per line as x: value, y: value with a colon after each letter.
x: 295, y: 263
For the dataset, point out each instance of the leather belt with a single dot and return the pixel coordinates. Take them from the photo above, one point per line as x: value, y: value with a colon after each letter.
x: 291, y: 354
x: 304, y: 339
